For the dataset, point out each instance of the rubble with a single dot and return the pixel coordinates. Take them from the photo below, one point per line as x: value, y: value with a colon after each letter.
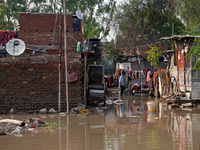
x: 187, y: 105
x: 12, y: 111
x: 52, y: 111
x: 109, y: 102
x: 186, y: 109
x: 188, y: 116
x: 105, y: 108
x: 10, y: 129
x: 99, y: 110
x: 2, y: 132
x: 173, y: 106
x: 43, y: 111
x: 119, y: 101
x: 36, y: 122
x: 179, y: 100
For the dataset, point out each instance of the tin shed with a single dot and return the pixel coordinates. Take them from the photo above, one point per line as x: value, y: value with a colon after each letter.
x: 187, y: 78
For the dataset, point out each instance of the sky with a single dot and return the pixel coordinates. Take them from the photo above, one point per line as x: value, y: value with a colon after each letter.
x: 112, y: 33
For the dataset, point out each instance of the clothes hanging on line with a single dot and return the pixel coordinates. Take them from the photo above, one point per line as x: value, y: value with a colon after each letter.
x: 147, y: 69
x: 148, y: 76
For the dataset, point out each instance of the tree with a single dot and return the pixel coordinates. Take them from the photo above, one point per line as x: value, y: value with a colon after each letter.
x: 109, y: 66
x: 145, y: 22
x: 111, y: 51
x: 189, y: 12
x: 153, y: 55
x: 195, y: 49
x: 96, y: 12
x: 9, y: 10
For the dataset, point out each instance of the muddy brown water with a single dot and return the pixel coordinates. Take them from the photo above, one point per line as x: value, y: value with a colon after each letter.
x: 127, y: 126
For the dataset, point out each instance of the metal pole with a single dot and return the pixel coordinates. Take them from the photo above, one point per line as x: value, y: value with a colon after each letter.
x: 60, y: 61
x: 65, y: 47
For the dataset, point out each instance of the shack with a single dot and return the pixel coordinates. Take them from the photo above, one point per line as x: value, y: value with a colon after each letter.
x: 188, y: 80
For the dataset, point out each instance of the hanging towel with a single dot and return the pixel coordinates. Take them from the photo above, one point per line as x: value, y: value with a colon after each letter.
x: 148, y: 76
x: 147, y: 69
x: 78, y: 47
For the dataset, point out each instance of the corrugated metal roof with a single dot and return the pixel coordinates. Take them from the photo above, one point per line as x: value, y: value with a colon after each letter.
x: 176, y: 37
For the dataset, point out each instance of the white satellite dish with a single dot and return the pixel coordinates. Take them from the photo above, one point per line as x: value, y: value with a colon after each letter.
x: 15, y: 47
x: 79, y: 14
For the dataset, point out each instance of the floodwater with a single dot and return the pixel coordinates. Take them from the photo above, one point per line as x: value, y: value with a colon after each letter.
x: 139, y: 123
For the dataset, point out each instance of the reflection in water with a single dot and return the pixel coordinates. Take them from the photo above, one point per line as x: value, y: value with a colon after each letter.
x: 129, y: 125
x: 120, y: 110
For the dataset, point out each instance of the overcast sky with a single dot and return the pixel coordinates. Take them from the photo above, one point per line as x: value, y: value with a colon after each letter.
x: 112, y: 33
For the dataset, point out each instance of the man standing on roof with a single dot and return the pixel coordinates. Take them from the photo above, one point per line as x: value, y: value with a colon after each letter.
x: 122, y: 83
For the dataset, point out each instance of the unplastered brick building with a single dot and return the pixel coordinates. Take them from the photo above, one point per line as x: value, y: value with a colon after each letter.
x: 30, y: 81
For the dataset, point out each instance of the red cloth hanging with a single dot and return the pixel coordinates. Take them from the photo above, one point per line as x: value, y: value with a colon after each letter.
x: 6, y: 36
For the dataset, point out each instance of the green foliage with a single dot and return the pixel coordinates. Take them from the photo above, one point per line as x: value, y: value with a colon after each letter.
x: 153, y: 55
x: 95, y: 12
x: 195, y: 49
x: 195, y: 52
x: 197, y: 65
x: 9, y: 10
x: 91, y: 31
x: 110, y: 56
x: 151, y: 20
x: 111, y: 52
x: 189, y: 12
x: 109, y: 66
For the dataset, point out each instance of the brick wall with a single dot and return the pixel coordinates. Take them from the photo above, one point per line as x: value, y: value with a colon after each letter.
x: 42, y: 30
x: 30, y: 82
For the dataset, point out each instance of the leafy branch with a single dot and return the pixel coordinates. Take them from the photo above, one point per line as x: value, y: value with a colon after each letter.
x: 153, y: 55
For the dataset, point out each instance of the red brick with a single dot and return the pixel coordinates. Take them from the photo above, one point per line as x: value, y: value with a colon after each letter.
x: 34, y: 79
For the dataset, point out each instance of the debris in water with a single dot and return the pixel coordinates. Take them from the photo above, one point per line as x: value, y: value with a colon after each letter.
x: 119, y: 102
x: 109, y: 102
x: 37, y: 122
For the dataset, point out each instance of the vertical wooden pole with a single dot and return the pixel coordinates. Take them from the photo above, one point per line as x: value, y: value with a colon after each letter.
x: 60, y: 61
x: 65, y: 47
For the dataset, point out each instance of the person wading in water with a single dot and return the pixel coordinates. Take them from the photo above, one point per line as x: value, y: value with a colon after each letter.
x: 122, y: 83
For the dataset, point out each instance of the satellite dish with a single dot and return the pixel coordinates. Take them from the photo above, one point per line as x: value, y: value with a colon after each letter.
x: 79, y: 14
x: 15, y: 47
